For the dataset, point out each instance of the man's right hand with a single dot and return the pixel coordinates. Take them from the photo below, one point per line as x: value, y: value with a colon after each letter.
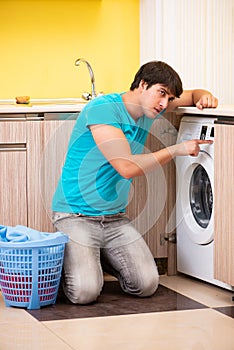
x: 191, y: 147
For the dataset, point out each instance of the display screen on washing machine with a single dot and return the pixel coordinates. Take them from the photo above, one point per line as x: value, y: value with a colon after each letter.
x: 203, y: 132
x: 212, y: 132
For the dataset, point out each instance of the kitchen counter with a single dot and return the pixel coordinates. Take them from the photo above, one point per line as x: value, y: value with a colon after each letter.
x: 221, y: 110
x: 77, y: 104
x: 42, y: 106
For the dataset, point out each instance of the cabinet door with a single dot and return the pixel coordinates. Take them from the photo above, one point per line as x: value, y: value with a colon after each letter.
x: 152, y: 204
x: 47, y: 146
x: 224, y: 203
x: 13, y: 208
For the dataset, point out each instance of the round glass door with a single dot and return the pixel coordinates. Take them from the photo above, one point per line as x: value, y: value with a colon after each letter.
x: 201, y: 196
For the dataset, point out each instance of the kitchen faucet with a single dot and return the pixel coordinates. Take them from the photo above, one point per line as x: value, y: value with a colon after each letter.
x: 88, y: 96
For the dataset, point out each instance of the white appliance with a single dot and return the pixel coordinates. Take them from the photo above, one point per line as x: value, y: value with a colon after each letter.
x: 194, y: 204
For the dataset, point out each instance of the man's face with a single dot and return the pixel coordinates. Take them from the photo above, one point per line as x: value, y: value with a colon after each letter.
x: 155, y: 99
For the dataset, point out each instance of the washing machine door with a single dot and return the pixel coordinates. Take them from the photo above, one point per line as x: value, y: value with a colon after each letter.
x: 197, y: 198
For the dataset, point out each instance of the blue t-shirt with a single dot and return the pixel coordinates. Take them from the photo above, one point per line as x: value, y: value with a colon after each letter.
x: 89, y: 184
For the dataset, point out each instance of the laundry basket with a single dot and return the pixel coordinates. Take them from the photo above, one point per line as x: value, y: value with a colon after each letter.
x: 30, y: 272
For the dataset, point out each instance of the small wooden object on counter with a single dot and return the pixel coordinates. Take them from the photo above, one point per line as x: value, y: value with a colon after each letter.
x: 22, y: 99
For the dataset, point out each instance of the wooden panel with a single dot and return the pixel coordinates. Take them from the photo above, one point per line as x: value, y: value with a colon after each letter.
x: 13, y: 132
x: 224, y: 204
x: 152, y: 205
x: 174, y: 120
x: 13, y: 208
x: 47, y: 145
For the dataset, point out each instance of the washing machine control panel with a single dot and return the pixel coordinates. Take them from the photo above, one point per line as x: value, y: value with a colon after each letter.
x: 196, y: 128
x: 207, y: 132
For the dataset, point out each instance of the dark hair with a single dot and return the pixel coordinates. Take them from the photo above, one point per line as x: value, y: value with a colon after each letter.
x: 158, y: 72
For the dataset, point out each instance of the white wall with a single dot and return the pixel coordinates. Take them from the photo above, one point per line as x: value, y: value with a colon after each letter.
x: 196, y: 37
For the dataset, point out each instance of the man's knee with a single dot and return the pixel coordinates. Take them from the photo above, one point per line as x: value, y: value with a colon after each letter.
x: 149, y: 286
x: 143, y: 287
x: 83, y: 293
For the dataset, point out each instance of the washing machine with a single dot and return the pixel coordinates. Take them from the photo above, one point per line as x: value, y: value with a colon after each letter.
x: 194, y: 202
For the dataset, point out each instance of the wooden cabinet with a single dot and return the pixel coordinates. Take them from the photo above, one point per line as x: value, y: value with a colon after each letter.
x: 152, y: 205
x: 32, y: 177
x: 224, y: 202
x: 152, y: 202
x: 46, y: 147
x: 31, y: 158
x: 13, y: 195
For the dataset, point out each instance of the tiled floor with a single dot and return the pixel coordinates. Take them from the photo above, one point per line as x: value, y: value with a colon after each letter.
x: 184, y: 314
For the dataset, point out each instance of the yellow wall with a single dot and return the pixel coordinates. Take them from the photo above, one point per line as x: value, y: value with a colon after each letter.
x: 40, y: 41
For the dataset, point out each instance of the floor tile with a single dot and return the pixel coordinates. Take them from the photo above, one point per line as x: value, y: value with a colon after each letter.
x: 13, y: 314
x: 228, y: 310
x: 108, y: 277
x: 202, y: 292
x: 29, y: 336
x: 113, y: 301
x: 203, y: 329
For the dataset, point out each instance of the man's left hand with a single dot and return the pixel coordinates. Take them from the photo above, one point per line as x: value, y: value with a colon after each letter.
x: 207, y: 101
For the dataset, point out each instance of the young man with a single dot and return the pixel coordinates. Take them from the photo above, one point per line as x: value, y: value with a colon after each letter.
x: 104, y: 154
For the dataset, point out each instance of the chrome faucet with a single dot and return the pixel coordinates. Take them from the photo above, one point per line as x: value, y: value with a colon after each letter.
x: 88, y: 96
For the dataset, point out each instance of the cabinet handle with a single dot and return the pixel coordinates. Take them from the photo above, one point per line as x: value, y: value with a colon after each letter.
x: 10, y: 147
x: 12, y: 119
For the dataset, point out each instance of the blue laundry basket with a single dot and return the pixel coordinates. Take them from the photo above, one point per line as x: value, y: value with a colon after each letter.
x: 30, y: 272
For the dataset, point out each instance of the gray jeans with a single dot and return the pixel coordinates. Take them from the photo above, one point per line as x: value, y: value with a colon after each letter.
x: 107, y: 243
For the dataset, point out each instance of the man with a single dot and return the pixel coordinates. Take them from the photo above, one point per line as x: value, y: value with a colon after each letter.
x: 104, y: 154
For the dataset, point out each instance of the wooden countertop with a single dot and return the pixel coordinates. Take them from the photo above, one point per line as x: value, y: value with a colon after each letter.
x: 221, y: 110
x: 77, y: 104
x: 42, y: 105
